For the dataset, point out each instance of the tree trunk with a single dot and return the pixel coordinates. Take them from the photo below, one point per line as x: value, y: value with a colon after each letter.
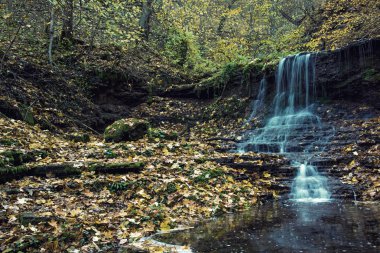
x: 51, y: 35
x: 68, y: 20
x: 223, y: 20
x: 145, y: 17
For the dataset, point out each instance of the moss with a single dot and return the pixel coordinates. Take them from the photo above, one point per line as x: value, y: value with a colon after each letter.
x: 221, y: 80
x: 171, y: 188
x: 55, y: 169
x: 117, y: 168
x: 13, y: 170
x: 9, y: 142
x: 371, y: 75
x: 126, y: 130
x: 27, y: 115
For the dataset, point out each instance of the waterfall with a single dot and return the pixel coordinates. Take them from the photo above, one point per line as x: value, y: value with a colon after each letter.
x: 259, y: 101
x: 294, y: 130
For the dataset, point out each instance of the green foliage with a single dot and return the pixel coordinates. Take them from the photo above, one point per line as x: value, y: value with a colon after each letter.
x: 110, y: 154
x: 339, y: 22
x: 119, y: 186
x: 182, y: 49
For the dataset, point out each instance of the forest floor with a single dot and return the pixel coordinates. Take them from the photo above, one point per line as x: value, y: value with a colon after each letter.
x: 148, y: 185
x: 112, y: 194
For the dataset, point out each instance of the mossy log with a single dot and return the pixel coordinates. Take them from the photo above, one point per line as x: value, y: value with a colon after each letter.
x: 67, y: 170
x: 117, y: 168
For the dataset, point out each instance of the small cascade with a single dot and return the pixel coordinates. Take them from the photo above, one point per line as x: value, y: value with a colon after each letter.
x: 259, y: 101
x: 309, y: 186
x: 295, y: 130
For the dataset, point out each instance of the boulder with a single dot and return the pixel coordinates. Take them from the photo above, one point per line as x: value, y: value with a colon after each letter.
x: 130, y: 129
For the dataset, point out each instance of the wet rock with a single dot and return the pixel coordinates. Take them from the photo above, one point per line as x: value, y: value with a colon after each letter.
x: 126, y: 130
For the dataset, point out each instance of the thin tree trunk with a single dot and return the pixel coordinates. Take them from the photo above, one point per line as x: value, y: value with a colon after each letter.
x: 68, y: 20
x: 145, y: 17
x: 93, y: 33
x: 51, y: 35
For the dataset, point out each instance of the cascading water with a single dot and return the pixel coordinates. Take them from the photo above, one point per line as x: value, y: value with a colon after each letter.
x: 259, y: 101
x: 295, y: 130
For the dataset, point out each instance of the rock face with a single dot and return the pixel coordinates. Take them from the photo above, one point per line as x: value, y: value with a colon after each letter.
x: 351, y: 73
x: 347, y: 73
x: 126, y: 130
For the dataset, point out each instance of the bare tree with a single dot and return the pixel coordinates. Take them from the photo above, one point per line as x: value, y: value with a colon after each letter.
x: 51, y: 34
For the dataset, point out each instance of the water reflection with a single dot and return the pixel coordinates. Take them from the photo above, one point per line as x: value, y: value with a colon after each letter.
x: 288, y: 227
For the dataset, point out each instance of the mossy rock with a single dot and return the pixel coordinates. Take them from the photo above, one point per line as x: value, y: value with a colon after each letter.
x: 126, y: 130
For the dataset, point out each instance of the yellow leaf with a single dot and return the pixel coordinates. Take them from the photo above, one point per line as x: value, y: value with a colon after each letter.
x: 165, y: 151
x: 165, y: 225
x: 266, y: 174
x: 230, y: 179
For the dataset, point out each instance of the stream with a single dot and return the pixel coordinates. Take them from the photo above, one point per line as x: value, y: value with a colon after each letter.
x: 287, y: 226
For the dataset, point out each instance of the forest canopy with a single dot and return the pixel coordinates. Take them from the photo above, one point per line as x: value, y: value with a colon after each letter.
x: 195, y: 35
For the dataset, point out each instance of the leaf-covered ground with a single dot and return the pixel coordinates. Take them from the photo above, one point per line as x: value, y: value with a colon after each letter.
x: 179, y: 183
x: 165, y: 184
